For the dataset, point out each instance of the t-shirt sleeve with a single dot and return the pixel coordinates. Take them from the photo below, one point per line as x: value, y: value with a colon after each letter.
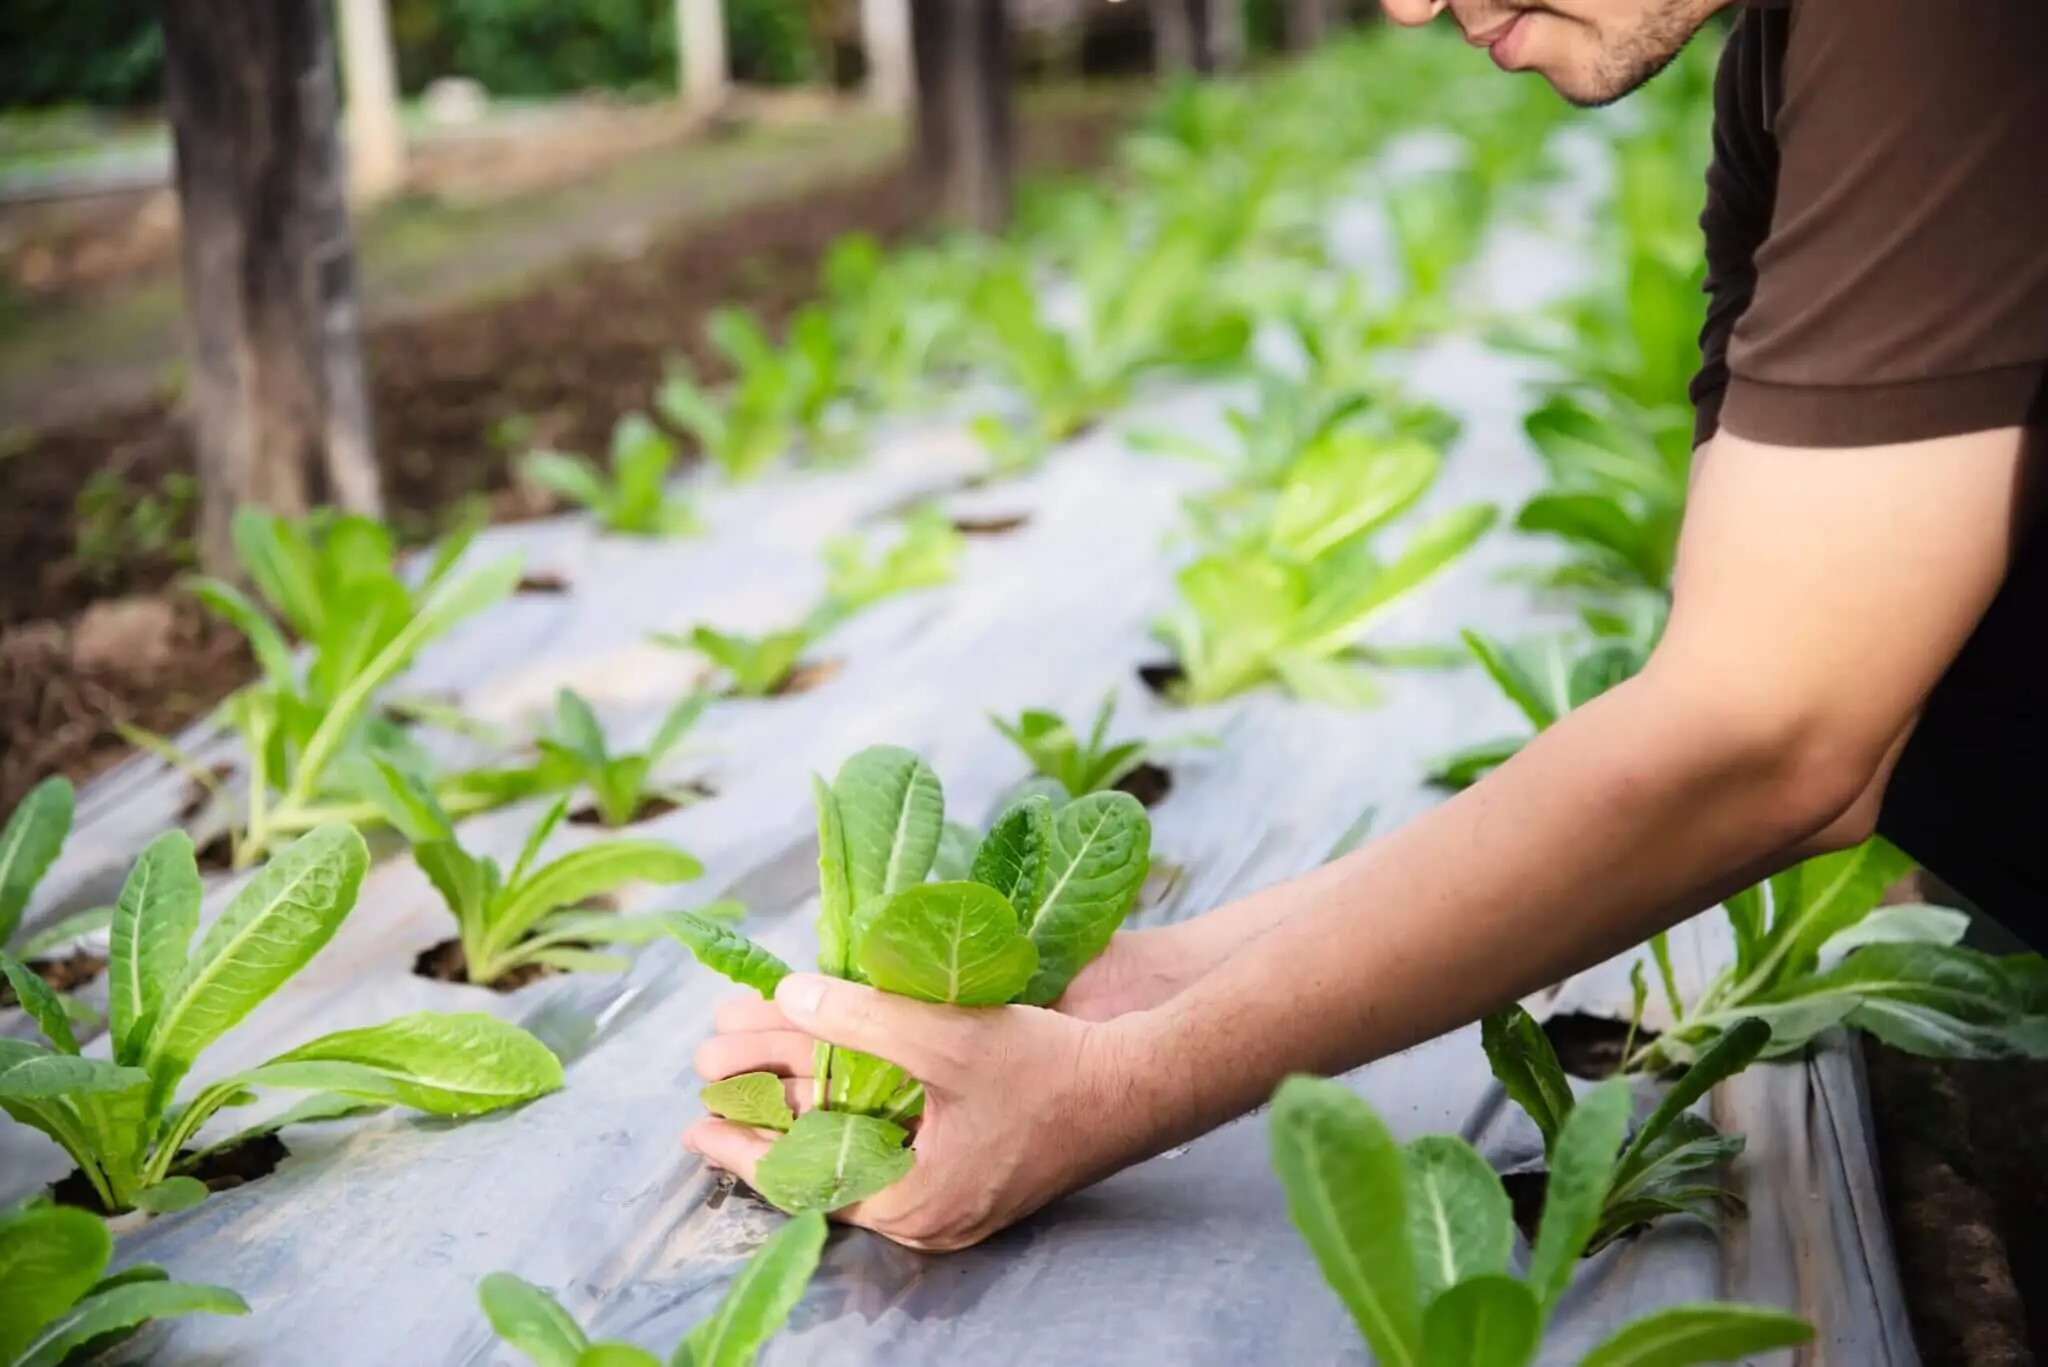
x: 1901, y: 292
x: 1737, y: 217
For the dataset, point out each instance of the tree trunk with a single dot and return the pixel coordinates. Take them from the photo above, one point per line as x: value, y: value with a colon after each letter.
x: 1184, y: 37
x: 376, y: 142
x: 1307, y: 22
x: 276, y: 389
x: 706, y: 73
x: 885, y: 40
x: 966, y: 145
x: 1226, y: 34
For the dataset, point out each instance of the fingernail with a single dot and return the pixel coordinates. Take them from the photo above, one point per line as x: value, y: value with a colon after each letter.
x: 799, y: 994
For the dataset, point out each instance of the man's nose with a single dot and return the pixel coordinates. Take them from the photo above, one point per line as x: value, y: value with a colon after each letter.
x: 1412, y: 12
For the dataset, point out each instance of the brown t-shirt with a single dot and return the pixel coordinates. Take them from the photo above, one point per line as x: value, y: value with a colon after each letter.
x: 1877, y: 223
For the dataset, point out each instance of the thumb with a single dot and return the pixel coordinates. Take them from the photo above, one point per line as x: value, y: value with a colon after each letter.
x: 932, y: 1043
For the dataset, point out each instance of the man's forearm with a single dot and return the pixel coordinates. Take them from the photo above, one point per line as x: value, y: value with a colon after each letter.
x: 1627, y: 816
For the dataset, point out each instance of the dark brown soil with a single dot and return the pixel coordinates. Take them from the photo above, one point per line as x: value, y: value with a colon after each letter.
x: 456, y: 396
x: 1525, y: 1197
x: 446, y: 963
x: 1590, y: 1047
x: 541, y: 583
x: 67, y: 974
x: 990, y: 526
x: 806, y: 676
x: 221, y: 1170
x: 650, y: 807
x: 1149, y: 783
x: 1163, y: 678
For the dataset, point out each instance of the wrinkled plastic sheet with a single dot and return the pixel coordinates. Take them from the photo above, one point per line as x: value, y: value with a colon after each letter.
x: 365, y: 1246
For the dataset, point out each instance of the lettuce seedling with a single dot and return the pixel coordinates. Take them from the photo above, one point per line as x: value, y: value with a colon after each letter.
x: 893, y: 317
x: 1081, y: 767
x: 535, y: 913
x: 633, y: 497
x: 1045, y: 891
x: 34, y: 836
x: 1292, y: 583
x: 1815, y: 949
x: 925, y: 555
x: 1416, y: 1238
x: 120, y: 1120
x: 1667, y: 1167
x: 57, y: 1303
x: 756, y: 1306
x: 308, y: 733
x: 576, y: 753
x: 1617, y: 495
x: 757, y: 666
x: 776, y: 393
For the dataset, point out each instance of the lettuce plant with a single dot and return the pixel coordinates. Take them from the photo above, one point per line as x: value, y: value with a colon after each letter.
x: 1079, y: 767
x: 309, y: 732
x: 756, y: 1306
x: 577, y: 754
x: 925, y: 554
x: 533, y: 913
x: 1292, y: 583
x: 754, y: 666
x: 29, y: 844
x: 776, y: 395
x: 120, y: 1119
x: 1045, y: 891
x: 1667, y: 1166
x: 57, y: 1303
x: 633, y: 497
x: 893, y: 316
x: 1416, y: 1239
x: 1814, y: 949
x: 1617, y: 494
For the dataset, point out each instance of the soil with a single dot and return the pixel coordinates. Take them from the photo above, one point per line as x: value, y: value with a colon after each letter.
x: 541, y: 584
x: 1149, y: 783
x: 67, y: 974
x: 221, y: 1170
x: 806, y: 676
x: 990, y: 526
x: 456, y: 396
x: 1163, y: 678
x: 651, y: 806
x: 446, y: 963
x: 1590, y: 1047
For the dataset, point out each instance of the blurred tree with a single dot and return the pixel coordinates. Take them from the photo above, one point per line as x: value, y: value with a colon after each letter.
x: 966, y: 142
x: 885, y: 44
x: 1204, y: 36
x: 706, y: 74
x: 1308, y: 23
x: 376, y: 142
x: 279, y: 408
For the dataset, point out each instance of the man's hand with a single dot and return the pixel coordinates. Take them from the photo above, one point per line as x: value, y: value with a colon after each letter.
x: 1014, y: 1101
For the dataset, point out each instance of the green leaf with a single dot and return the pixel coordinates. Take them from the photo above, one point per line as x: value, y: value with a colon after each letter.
x: 610, y: 1354
x: 154, y: 922
x: 1526, y: 1065
x: 458, y: 1063
x: 1581, y: 1170
x: 273, y: 653
x: 675, y: 725
x: 1460, y: 1223
x: 1908, y: 923
x: 123, y: 1307
x: 60, y: 933
x: 531, y: 1320
x: 29, y: 844
x: 726, y: 952
x: 272, y: 929
x: 760, y: 1299
x: 1016, y: 855
x: 756, y: 1099
x: 1534, y: 678
x: 1736, y: 1048
x: 43, y: 1005
x: 580, y: 874
x: 1814, y: 901
x: 957, y: 845
x: 892, y: 808
x: 29, y: 1072
x: 405, y: 801
x: 575, y: 479
x: 835, y: 887
x: 956, y: 943
x: 577, y: 728
x: 171, y: 1195
x: 277, y: 555
x: 50, y: 1256
x: 831, y: 1159
x: 1462, y: 768
x: 1693, y: 1335
x: 1346, y: 1193
x: 1101, y: 850
x: 1488, y: 1321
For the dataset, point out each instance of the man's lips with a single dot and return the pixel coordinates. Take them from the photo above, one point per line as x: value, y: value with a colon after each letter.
x: 1488, y: 37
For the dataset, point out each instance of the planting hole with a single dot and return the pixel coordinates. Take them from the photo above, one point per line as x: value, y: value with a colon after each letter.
x: 806, y: 676
x: 990, y: 526
x: 1164, y: 678
x: 1590, y: 1047
x: 446, y: 963
x: 198, y: 795
x: 221, y: 1170
x: 1525, y: 1197
x: 67, y: 974
x: 651, y: 806
x: 218, y: 854
x: 543, y: 582
x: 1149, y: 783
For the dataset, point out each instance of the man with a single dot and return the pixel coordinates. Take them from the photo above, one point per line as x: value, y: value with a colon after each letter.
x: 1853, y: 643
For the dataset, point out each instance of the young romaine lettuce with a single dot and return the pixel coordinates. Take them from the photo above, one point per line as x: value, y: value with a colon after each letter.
x: 755, y: 1307
x: 1416, y: 1238
x: 1044, y: 892
x: 534, y: 913
x: 1292, y: 583
x: 120, y: 1120
x: 57, y: 1303
x: 925, y: 554
x: 29, y: 844
x: 1667, y: 1166
x: 1617, y: 493
x: 577, y: 754
x: 757, y: 666
x: 309, y: 733
x: 633, y: 497
x: 1815, y: 949
x: 1078, y: 766
x: 895, y: 318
